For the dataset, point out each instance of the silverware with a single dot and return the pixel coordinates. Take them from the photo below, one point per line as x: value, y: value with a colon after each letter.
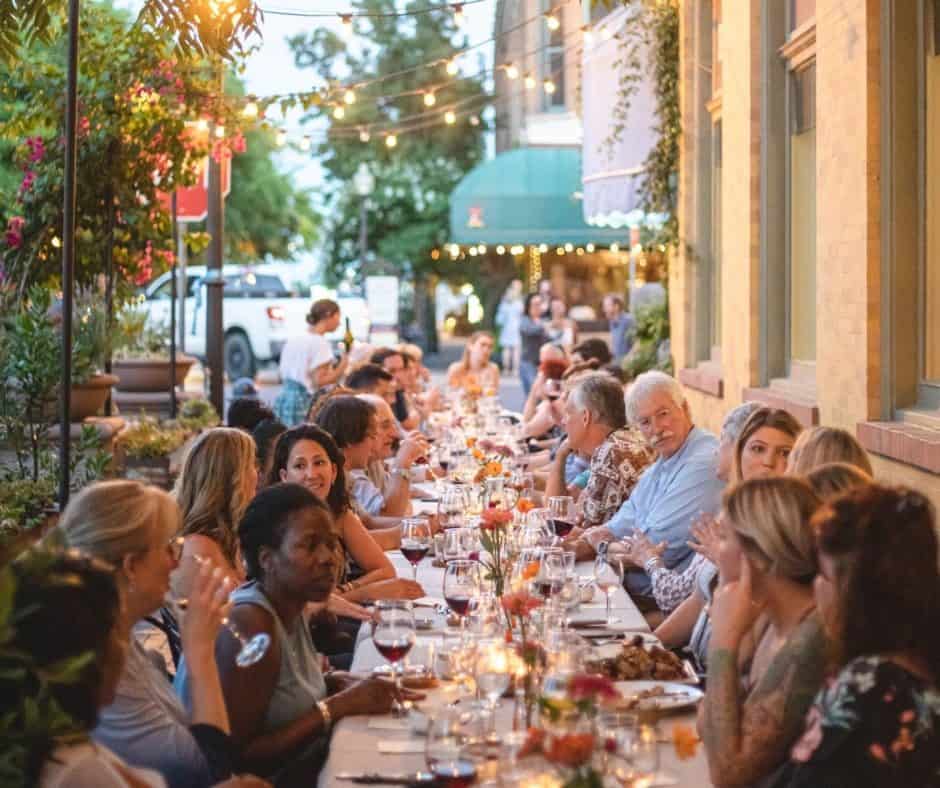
x: 374, y: 778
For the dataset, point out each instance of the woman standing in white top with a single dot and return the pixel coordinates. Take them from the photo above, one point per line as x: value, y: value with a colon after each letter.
x: 508, y: 315
x: 307, y: 363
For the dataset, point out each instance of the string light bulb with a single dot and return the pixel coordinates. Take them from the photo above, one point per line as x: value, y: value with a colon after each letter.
x: 500, y: 249
x: 305, y: 143
x: 219, y: 131
x: 339, y: 112
x: 512, y: 72
x: 430, y: 99
x: 250, y: 110
x: 615, y: 248
x: 459, y: 17
x: 450, y: 117
x: 364, y: 135
x: 347, y: 22
x: 350, y: 96
x: 551, y: 21
x: 452, y: 67
x: 590, y: 248
x: 280, y: 139
x: 548, y: 86
x: 569, y: 248
x: 528, y: 81
x: 390, y: 140
x: 587, y: 34
x: 474, y: 120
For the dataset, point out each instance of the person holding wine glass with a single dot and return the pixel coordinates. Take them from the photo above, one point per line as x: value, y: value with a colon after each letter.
x: 282, y: 706
x: 133, y: 528
x: 415, y: 541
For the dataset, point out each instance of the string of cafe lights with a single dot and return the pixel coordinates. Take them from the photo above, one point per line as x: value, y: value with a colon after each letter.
x: 347, y: 17
x: 535, y: 251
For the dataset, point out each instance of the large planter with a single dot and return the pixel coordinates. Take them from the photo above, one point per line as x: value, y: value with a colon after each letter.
x: 88, y: 398
x: 149, y: 470
x: 146, y: 374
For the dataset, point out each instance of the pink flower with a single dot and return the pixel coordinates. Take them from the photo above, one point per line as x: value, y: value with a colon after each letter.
x: 28, y: 180
x: 520, y: 603
x: 37, y: 149
x: 494, y: 518
x: 238, y: 144
x: 585, y: 686
x: 14, y: 232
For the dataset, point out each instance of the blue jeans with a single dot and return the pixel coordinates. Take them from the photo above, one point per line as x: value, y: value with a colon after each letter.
x: 527, y: 373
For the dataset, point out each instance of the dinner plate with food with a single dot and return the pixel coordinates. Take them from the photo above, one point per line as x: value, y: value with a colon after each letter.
x: 657, y: 695
x: 638, y: 659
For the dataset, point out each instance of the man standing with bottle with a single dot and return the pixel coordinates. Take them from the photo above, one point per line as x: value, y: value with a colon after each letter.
x: 307, y: 363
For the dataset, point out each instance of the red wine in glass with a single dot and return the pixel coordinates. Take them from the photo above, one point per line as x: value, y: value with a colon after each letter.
x: 394, y: 650
x: 453, y: 774
x: 414, y: 551
x: 459, y: 604
x: 444, y: 465
x: 547, y: 588
x: 562, y: 527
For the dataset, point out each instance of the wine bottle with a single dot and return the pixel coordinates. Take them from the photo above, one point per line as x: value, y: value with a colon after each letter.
x: 348, y: 337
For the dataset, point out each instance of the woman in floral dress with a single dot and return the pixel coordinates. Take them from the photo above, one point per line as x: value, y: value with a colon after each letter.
x: 877, y: 723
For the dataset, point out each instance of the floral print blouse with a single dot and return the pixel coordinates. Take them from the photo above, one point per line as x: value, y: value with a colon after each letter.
x: 616, y: 467
x: 876, y: 724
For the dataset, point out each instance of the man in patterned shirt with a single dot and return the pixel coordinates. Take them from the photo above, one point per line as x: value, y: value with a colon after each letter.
x: 596, y: 422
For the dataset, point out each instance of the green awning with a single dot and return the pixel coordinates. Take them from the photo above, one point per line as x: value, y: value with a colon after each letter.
x: 525, y: 196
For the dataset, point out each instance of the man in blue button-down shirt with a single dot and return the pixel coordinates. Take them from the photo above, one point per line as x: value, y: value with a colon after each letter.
x: 682, y: 483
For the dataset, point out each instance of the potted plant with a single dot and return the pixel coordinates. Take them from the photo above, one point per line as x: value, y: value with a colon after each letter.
x: 147, y: 446
x: 142, y: 353
x: 90, y: 347
x: 197, y: 415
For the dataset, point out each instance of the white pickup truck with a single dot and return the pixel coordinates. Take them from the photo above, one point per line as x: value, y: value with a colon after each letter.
x: 259, y: 312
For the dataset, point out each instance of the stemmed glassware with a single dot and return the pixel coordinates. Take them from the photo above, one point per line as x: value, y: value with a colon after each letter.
x: 493, y: 673
x: 561, y: 514
x: 393, y: 634
x: 252, y: 649
x: 446, y: 749
x: 551, y: 574
x: 553, y: 389
x: 461, y: 584
x: 415, y: 541
x: 608, y: 577
x: 451, y: 507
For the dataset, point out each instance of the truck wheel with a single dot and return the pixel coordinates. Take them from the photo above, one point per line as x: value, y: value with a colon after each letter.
x: 239, y: 360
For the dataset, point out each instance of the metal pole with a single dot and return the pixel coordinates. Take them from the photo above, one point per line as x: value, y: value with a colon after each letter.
x: 109, y: 285
x: 214, y: 283
x: 172, y: 382
x: 181, y: 252
x: 68, y: 249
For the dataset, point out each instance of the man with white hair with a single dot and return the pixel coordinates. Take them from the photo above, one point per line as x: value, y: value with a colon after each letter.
x: 595, y: 420
x: 674, y: 490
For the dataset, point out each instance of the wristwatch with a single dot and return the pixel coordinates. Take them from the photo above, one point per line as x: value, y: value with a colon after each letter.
x: 325, y: 714
x: 404, y: 473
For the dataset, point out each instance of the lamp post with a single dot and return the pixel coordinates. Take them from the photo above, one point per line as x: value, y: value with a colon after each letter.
x: 214, y: 283
x: 364, y: 184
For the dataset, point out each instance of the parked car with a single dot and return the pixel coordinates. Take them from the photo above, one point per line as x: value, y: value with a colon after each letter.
x: 259, y: 313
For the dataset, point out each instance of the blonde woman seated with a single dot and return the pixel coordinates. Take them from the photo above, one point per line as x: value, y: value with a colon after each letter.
x: 820, y: 445
x: 754, y: 708
x: 475, y: 371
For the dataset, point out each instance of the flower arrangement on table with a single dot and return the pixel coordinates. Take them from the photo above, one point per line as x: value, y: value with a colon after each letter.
x: 518, y: 607
x: 490, y: 465
x: 494, y: 536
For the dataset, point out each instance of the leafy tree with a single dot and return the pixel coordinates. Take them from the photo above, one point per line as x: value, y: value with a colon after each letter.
x: 408, y: 211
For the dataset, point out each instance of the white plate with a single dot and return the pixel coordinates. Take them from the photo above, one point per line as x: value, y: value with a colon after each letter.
x: 611, y: 650
x: 679, y: 696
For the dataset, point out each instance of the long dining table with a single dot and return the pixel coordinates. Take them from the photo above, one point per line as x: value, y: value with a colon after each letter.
x: 388, y: 746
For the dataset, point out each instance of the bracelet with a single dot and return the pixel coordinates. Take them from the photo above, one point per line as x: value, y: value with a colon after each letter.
x: 652, y: 564
x: 325, y: 714
x: 404, y: 473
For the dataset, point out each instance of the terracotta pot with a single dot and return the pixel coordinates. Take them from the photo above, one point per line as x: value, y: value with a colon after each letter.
x: 88, y: 398
x: 144, y: 374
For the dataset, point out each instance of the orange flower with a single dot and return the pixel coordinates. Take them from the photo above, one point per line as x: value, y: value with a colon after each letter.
x: 493, y: 468
x: 570, y: 749
x: 471, y: 441
x: 531, y: 570
x: 685, y: 741
x: 477, y: 454
x: 525, y: 505
x: 520, y: 603
x: 533, y: 742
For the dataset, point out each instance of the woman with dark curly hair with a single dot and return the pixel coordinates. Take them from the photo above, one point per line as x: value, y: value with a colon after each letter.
x: 308, y: 455
x: 878, y: 592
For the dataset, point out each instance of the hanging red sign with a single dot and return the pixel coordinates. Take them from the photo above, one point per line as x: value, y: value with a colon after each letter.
x: 192, y: 202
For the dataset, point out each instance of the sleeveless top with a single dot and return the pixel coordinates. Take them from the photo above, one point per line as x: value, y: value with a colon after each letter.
x: 701, y: 633
x: 300, y: 683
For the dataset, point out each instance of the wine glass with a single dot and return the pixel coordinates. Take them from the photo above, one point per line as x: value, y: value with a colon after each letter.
x: 616, y: 730
x: 553, y: 389
x: 415, y: 541
x: 608, y: 576
x: 393, y: 635
x: 445, y: 749
x: 444, y: 458
x: 561, y: 514
x: 537, y: 520
x: 451, y: 507
x: 493, y: 672
x: 461, y: 583
x: 251, y: 650
x: 551, y: 574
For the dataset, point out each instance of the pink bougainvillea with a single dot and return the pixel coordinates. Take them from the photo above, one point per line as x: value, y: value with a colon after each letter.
x: 14, y: 233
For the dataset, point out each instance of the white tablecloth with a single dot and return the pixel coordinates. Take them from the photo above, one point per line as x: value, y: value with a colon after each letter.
x: 354, y: 747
